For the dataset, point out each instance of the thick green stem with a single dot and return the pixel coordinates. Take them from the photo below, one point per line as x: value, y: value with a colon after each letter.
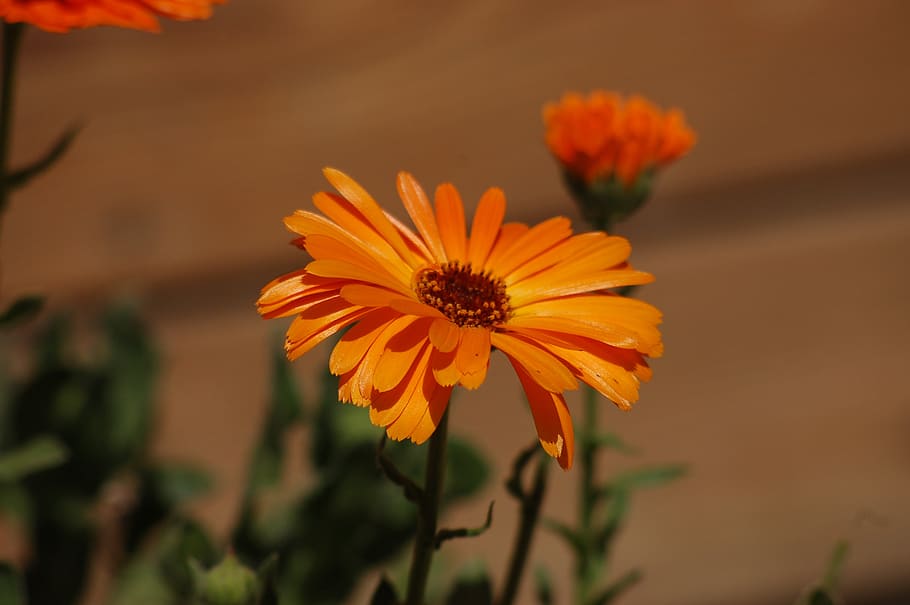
x: 428, y: 514
x: 12, y: 36
x: 530, y: 513
x: 586, y: 566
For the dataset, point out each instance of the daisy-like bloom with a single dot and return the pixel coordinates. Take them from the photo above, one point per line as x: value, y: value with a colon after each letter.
x: 426, y: 307
x: 60, y: 16
x: 602, y: 135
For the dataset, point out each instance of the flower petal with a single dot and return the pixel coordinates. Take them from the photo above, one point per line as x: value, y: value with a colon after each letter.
x: 418, y: 206
x: 487, y: 220
x: 399, y: 356
x: 535, y: 241
x: 357, y: 341
x: 444, y: 335
x: 551, y: 418
x: 473, y: 355
x: 371, y: 211
x: 450, y: 218
x: 433, y: 415
x: 548, y: 371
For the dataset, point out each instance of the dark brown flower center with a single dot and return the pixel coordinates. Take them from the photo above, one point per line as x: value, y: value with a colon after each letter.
x: 469, y: 299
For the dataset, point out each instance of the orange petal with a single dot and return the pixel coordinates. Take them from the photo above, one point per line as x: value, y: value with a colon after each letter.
x: 387, y: 406
x: 547, y: 370
x: 487, y: 220
x: 433, y: 415
x: 400, y: 354
x: 535, y: 241
x: 551, y: 418
x: 444, y: 369
x: 409, y: 306
x: 473, y: 354
x: 351, y: 228
x: 450, y: 218
x: 418, y: 206
x: 371, y: 211
x: 357, y: 341
x: 416, y: 408
x: 556, y: 285
x: 444, y: 335
x: 367, y: 367
x: 344, y: 270
x: 508, y: 234
x: 318, y: 323
x: 562, y: 251
x: 414, y: 242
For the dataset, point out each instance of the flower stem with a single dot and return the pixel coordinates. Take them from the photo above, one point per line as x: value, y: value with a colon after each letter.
x: 586, y: 566
x: 530, y: 513
x: 427, y: 514
x: 12, y: 36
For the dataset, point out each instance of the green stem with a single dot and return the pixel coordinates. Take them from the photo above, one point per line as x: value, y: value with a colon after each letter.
x: 12, y: 37
x: 428, y: 514
x: 530, y: 513
x: 586, y: 566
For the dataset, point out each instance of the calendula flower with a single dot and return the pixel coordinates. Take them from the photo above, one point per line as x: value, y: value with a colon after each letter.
x: 602, y: 136
x: 60, y: 16
x: 428, y: 306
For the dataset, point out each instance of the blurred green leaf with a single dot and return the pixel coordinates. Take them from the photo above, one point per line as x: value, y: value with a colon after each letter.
x: 575, y: 541
x: 182, y: 541
x: 385, y: 593
x: 543, y: 586
x: 36, y: 455
x: 20, y: 178
x: 648, y: 477
x: 825, y: 592
x: 466, y: 469
x: 14, y: 501
x: 11, y: 589
x: 614, y: 442
x: 177, y: 483
x: 820, y: 596
x: 21, y: 310
x: 617, y: 588
x: 472, y: 587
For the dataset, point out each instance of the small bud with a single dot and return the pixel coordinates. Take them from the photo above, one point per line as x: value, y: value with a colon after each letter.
x: 228, y: 583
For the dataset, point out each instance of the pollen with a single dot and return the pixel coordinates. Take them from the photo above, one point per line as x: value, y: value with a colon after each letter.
x: 467, y: 298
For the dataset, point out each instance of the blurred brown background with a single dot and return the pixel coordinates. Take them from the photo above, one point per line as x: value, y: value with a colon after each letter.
x: 780, y: 244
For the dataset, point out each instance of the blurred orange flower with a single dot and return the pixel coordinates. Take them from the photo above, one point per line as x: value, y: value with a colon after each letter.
x: 428, y: 307
x: 603, y: 135
x: 62, y: 15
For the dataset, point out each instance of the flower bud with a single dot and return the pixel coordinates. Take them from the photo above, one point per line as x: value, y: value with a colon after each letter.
x: 228, y: 583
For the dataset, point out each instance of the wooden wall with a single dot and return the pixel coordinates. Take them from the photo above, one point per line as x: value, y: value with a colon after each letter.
x: 780, y: 245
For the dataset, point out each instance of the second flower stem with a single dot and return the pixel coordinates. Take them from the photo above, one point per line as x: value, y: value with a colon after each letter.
x: 12, y: 37
x: 586, y: 565
x: 428, y: 514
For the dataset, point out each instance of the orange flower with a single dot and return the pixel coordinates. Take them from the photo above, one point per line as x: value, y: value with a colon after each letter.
x: 428, y: 307
x: 602, y: 135
x: 62, y: 15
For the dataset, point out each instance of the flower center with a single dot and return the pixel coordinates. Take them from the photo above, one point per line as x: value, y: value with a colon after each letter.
x: 468, y: 299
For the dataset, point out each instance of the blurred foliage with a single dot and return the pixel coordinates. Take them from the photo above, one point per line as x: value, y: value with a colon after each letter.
x: 824, y: 592
x: 72, y: 428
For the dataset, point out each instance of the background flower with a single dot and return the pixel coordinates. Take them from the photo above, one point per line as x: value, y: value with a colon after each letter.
x: 62, y: 15
x: 603, y: 135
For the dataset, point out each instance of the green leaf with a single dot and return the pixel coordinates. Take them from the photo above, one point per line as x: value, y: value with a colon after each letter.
x: 15, y: 502
x: 467, y: 470
x: 177, y: 483
x: 614, y: 442
x: 11, y: 589
x: 575, y: 540
x: 616, y: 589
x: 543, y: 586
x: 648, y: 476
x: 385, y: 593
x: 820, y: 596
x: 36, y: 455
x: 21, y: 310
x: 20, y: 178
